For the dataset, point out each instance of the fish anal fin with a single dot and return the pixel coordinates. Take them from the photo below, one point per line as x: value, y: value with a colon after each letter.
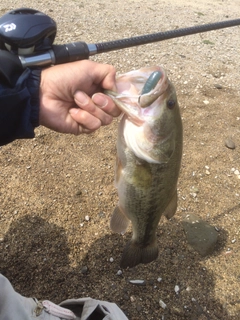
x: 119, y: 222
x: 172, y: 207
x: 134, y: 254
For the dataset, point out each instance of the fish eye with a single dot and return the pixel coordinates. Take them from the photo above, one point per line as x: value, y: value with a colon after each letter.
x: 171, y: 104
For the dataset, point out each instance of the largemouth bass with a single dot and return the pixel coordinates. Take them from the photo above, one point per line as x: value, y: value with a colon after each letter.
x: 149, y: 151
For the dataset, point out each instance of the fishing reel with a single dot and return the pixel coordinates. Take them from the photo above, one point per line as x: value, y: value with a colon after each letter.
x: 29, y: 35
x: 25, y: 31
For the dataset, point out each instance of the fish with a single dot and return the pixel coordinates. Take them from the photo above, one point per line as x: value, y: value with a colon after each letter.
x: 149, y: 152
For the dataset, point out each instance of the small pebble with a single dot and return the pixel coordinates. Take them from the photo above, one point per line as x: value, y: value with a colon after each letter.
x: 217, y: 86
x: 126, y: 297
x: 137, y: 282
x: 84, y: 270
x: 111, y: 259
x: 195, y: 189
x: 176, y: 289
x: 151, y: 282
x: 119, y: 273
x: 229, y: 143
x: 177, y: 311
x: 101, y: 215
x: 159, y: 279
x: 162, y: 304
x: 139, y: 307
x: 87, y: 218
x: 206, y: 102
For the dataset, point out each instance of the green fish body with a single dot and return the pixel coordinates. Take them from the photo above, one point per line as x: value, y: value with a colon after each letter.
x: 149, y: 151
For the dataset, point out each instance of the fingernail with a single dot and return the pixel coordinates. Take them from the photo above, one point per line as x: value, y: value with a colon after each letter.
x: 100, y: 100
x: 81, y: 98
x: 74, y: 111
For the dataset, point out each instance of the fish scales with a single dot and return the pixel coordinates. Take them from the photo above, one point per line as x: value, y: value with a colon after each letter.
x: 149, y: 151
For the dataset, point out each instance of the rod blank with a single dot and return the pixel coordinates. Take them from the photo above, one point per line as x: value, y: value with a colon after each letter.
x: 160, y: 36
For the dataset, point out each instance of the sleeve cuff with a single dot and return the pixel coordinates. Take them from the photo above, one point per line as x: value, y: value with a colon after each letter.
x: 33, y: 84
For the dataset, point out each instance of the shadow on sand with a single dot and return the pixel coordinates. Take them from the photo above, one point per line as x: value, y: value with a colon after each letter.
x: 35, y: 258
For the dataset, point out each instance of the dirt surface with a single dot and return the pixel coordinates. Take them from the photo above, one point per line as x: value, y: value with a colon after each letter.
x: 51, y: 183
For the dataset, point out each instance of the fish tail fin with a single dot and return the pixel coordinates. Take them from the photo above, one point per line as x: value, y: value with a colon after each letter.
x: 119, y: 222
x: 134, y: 254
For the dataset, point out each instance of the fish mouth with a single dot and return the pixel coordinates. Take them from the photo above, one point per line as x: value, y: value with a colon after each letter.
x: 138, y: 90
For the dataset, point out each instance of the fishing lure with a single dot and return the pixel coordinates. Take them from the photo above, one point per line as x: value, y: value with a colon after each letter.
x: 151, y: 82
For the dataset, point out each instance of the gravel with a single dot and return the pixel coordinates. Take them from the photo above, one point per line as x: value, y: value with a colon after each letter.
x: 51, y: 183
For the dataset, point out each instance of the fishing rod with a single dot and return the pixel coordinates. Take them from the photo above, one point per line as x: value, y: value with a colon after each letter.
x: 30, y: 34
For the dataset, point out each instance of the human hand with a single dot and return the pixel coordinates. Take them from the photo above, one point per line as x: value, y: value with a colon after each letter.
x: 65, y: 91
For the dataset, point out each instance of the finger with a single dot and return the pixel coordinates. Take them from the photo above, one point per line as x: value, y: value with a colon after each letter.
x: 87, y: 104
x: 104, y: 75
x: 106, y: 104
x: 85, y: 121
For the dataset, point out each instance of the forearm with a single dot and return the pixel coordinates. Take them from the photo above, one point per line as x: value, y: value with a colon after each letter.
x: 19, y: 106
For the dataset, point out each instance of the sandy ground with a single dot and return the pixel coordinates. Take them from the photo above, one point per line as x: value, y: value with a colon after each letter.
x: 51, y: 183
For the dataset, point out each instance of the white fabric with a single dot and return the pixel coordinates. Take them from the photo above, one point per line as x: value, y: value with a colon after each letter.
x: 109, y: 310
x: 15, y: 306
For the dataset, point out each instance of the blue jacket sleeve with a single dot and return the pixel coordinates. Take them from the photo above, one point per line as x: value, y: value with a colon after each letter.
x: 19, y: 106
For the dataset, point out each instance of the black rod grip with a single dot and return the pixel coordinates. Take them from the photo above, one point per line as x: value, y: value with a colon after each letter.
x: 70, y: 52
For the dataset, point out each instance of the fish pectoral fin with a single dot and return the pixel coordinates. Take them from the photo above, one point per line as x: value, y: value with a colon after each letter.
x: 134, y: 254
x: 119, y: 222
x: 172, y: 207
